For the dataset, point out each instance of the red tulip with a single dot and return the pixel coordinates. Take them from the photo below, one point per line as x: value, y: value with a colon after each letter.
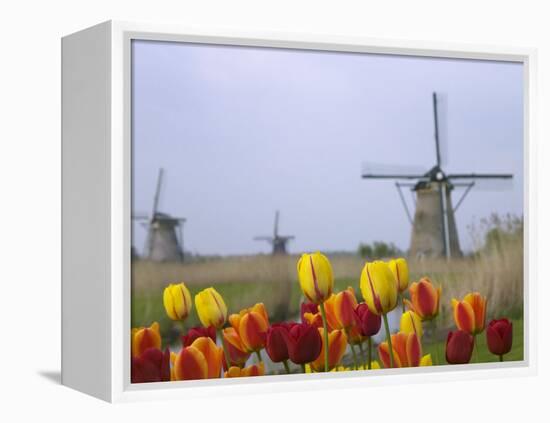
x: 304, y: 343
x: 460, y: 345
x: 308, y: 308
x: 499, y: 336
x: 152, y: 365
x: 369, y: 322
x: 276, y: 346
x: 198, y: 332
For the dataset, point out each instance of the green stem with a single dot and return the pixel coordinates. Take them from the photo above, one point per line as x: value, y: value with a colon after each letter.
x: 225, y: 352
x: 434, y: 341
x: 303, y: 368
x: 475, y: 349
x: 325, y: 333
x: 354, y: 356
x: 285, y: 363
x: 362, y: 352
x: 388, y: 338
x: 182, y: 324
x: 500, y: 357
x: 369, y: 365
x: 402, y: 303
x: 258, y: 355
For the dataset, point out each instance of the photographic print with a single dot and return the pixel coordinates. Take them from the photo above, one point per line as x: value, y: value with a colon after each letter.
x: 304, y: 211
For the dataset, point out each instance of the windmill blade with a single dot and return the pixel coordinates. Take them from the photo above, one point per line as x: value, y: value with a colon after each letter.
x: 276, y: 225
x: 444, y: 219
x: 372, y: 170
x: 440, y: 106
x: 286, y: 237
x: 480, y: 176
x: 157, y: 193
x: 263, y: 238
x: 487, y: 184
x: 140, y: 216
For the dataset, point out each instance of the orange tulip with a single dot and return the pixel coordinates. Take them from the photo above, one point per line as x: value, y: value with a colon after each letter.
x: 238, y: 353
x: 344, y: 309
x: 253, y: 370
x: 251, y: 324
x: 330, y: 310
x: 469, y: 314
x: 144, y: 338
x: 337, y: 341
x: 190, y: 364
x: 212, y: 353
x: 407, y: 350
x: 424, y: 299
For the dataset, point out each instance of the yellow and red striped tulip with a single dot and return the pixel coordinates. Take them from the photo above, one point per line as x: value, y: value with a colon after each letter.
x: 400, y: 270
x: 211, y: 308
x: 424, y: 299
x: 251, y: 324
x: 177, y: 301
x: 190, y: 364
x: 314, y: 319
x: 337, y: 341
x: 238, y: 353
x: 411, y: 323
x: 379, y: 287
x: 330, y: 310
x: 253, y: 370
x: 469, y: 314
x: 212, y: 354
x: 344, y: 309
x: 315, y: 277
x: 407, y: 350
x: 144, y: 338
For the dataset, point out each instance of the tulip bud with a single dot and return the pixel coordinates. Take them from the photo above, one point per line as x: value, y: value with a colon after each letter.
x: 238, y: 353
x: 459, y: 347
x: 407, y: 350
x: 315, y: 277
x: 253, y: 370
x: 369, y: 322
x: 151, y: 366
x: 252, y: 325
x: 499, y: 336
x: 211, y: 308
x: 198, y: 332
x: 177, y: 301
x: 190, y: 364
x: 337, y: 344
x: 344, y: 309
x: 308, y: 308
x: 330, y: 312
x: 276, y: 347
x: 400, y: 270
x: 469, y: 314
x: 304, y: 343
x: 411, y: 323
x: 379, y: 287
x: 145, y: 338
x: 212, y: 354
x: 424, y: 299
x: 426, y: 360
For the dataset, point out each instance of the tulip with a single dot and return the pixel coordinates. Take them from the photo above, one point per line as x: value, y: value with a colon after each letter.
x: 330, y: 313
x: 237, y: 353
x: 145, y: 338
x: 426, y: 360
x: 211, y: 308
x: 407, y: 351
x: 190, y: 364
x: 345, y: 304
x: 317, y: 281
x: 369, y: 325
x: 304, y: 343
x: 177, y: 301
x: 400, y: 270
x: 251, y: 325
x: 212, y: 354
x: 198, y: 332
x: 499, y: 337
x: 253, y: 370
x: 469, y: 314
x: 276, y: 343
x: 310, y: 308
x: 459, y: 347
x: 337, y: 343
x: 411, y: 323
x: 379, y: 289
x: 313, y: 319
x: 151, y: 366
x: 315, y: 277
x: 424, y: 299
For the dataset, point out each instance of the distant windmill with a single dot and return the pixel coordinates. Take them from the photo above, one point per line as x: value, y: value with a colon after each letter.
x: 277, y: 241
x: 164, y: 232
x: 433, y: 227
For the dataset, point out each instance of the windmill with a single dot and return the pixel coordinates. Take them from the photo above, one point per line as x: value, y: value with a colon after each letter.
x: 277, y: 241
x: 434, y: 231
x: 164, y: 233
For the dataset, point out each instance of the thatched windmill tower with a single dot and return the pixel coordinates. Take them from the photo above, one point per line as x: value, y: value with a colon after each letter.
x: 164, y: 232
x: 277, y: 241
x: 433, y: 226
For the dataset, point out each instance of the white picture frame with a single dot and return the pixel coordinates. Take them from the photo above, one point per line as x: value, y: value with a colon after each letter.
x: 96, y: 142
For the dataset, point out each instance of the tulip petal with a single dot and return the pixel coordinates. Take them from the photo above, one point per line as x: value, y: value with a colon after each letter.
x: 464, y: 316
x: 190, y: 364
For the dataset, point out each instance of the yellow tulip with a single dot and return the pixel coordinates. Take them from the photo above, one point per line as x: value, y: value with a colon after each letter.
x: 315, y: 277
x: 426, y: 360
x: 379, y: 287
x: 211, y: 308
x: 177, y: 301
x: 400, y: 270
x: 411, y: 323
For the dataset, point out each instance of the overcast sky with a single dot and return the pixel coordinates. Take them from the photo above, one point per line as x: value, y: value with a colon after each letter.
x: 242, y: 132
